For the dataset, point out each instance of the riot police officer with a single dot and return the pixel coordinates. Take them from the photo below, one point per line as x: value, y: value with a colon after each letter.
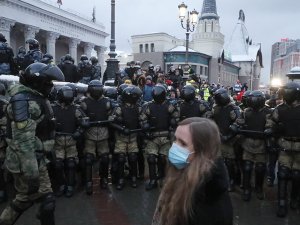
x: 69, y: 69
x: 3, y: 145
x: 6, y: 57
x: 253, y: 120
x: 285, y: 123
x: 30, y: 135
x: 20, y: 59
x: 98, y: 109
x: 244, y: 100
x: 96, y: 68
x: 126, y: 118
x: 85, y: 70
x: 190, y: 106
x: 68, y: 129
x: 224, y: 113
x: 150, y: 71
x: 34, y: 54
x: 130, y: 71
x: 158, y: 118
x: 47, y: 59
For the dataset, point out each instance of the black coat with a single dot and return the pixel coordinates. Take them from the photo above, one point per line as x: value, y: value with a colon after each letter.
x: 70, y: 72
x: 212, y: 203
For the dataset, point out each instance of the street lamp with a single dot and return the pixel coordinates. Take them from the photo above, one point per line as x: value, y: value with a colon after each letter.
x: 112, y: 62
x: 191, y: 19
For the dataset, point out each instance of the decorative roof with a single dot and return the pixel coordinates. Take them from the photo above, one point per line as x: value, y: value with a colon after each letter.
x: 240, y: 46
x: 180, y: 48
x: 209, y: 10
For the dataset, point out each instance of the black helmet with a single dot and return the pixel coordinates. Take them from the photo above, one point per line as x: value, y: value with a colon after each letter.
x: 74, y: 88
x: 159, y: 93
x: 222, y: 97
x: 111, y: 92
x: 2, y: 89
x: 21, y: 50
x: 256, y: 99
x: 68, y: 57
x: 94, y: 60
x: 33, y: 44
x: 39, y: 77
x: 83, y: 57
x: 47, y: 58
x: 188, y: 93
x: 95, y: 89
x: 151, y: 67
x: 245, y: 98
x: 65, y: 95
x: 2, y: 38
x: 121, y: 88
x: 291, y: 92
x: 131, y: 94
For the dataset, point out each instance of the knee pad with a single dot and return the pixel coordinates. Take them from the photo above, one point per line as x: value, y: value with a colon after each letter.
x: 71, y: 164
x: 283, y: 173
x: 59, y: 164
x: 151, y: 159
x: 121, y: 158
x: 260, y: 167
x: 296, y: 174
x: 132, y: 157
x: 104, y: 158
x: 89, y: 158
x: 248, y: 165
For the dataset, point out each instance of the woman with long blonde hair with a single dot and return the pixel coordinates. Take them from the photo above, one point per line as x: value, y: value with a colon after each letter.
x: 195, y: 189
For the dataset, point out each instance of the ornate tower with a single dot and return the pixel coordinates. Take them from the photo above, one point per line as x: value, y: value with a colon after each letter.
x: 208, y: 38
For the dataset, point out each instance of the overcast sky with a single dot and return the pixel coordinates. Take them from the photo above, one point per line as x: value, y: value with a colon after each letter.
x: 267, y: 21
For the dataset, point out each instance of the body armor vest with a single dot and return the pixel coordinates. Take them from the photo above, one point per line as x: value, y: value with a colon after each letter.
x: 96, y: 109
x: 190, y: 110
x: 255, y: 120
x: 222, y: 119
x: 290, y: 119
x: 65, y: 118
x: 159, y: 116
x: 130, y: 117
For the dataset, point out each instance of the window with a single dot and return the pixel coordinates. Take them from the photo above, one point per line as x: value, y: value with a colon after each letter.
x: 206, y: 71
x: 146, y: 48
x: 141, y: 48
x: 152, y: 47
x: 201, y: 70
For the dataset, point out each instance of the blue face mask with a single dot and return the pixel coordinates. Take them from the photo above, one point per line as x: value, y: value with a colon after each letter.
x: 178, y: 156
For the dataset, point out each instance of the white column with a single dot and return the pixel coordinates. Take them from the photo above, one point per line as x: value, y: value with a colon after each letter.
x: 100, y: 54
x: 88, y: 47
x: 5, y: 28
x: 51, y: 40
x: 73, y: 43
x: 29, y: 33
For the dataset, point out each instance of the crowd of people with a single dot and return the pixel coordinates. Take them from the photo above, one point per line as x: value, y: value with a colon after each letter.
x: 204, y: 139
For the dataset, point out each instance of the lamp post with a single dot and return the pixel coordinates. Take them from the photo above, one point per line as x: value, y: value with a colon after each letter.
x: 191, y: 19
x: 112, y: 62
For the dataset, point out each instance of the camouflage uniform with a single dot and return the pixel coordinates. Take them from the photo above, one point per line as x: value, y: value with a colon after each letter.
x: 68, y: 119
x: 3, y: 145
x: 25, y: 157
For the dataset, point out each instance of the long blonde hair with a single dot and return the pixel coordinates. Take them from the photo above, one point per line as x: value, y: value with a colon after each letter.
x: 176, y: 199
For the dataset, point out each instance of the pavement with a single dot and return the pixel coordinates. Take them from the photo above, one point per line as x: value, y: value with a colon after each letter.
x: 136, y: 207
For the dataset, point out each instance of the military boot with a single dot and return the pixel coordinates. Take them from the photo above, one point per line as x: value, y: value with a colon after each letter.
x: 2, y: 187
x: 161, y: 167
x: 103, y: 171
x: 132, y: 159
x: 295, y: 189
x: 88, y: 174
x: 283, y: 176
x: 59, y: 178
x: 121, y: 164
x: 230, y: 164
x: 70, y: 177
x: 260, y: 171
x: 247, y: 171
x: 152, y: 173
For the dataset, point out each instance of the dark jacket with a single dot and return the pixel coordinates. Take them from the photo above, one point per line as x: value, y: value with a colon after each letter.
x: 212, y: 204
x: 70, y: 72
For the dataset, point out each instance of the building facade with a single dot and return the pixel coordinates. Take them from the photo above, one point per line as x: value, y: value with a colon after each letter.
x: 285, y: 56
x: 58, y: 31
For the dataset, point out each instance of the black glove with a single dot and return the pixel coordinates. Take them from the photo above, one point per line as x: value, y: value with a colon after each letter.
x: 268, y: 132
x: 234, y: 128
x: 76, y: 135
x: 146, y: 127
x: 85, y: 122
x: 126, y: 131
x: 33, y: 185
